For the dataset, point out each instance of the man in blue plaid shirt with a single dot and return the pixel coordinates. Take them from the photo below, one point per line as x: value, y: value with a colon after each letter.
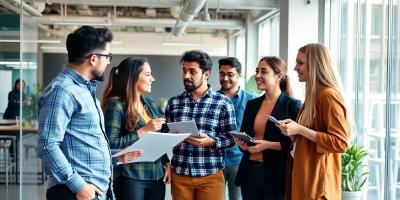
x: 197, y: 162
x: 72, y: 142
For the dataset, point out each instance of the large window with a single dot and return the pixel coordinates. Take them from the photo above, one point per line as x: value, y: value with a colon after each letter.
x: 240, y: 54
x: 366, y: 51
x: 268, y: 32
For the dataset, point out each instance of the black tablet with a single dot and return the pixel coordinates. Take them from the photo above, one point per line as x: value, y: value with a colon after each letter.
x: 246, y: 138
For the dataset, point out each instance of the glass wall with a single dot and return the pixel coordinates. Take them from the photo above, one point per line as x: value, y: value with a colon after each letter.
x: 367, y: 53
x: 21, y: 173
x: 9, y: 106
x: 32, y: 177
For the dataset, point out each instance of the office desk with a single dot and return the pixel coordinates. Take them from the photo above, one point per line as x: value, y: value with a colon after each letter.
x: 14, y: 129
x: 6, y: 122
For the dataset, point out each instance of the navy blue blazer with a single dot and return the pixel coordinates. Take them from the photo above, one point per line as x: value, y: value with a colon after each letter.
x: 274, y: 160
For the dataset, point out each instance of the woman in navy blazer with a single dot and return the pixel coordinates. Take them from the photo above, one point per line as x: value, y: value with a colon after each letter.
x: 261, y: 172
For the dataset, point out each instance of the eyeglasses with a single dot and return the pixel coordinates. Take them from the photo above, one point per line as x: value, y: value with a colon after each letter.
x: 229, y: 74
x: 108, y: 56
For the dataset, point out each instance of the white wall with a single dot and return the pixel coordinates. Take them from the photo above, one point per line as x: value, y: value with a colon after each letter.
x: 6, y: 86
x: 299, y: 26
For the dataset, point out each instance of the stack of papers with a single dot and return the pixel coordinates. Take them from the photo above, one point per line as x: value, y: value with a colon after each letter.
x: 154, y: 145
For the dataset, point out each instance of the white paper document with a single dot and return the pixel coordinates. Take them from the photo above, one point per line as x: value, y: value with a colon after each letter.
x: 154, y: 145
x: 184, y: 127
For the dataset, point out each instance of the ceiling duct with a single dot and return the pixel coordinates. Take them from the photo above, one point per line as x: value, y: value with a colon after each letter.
x: 189, y: 11
x: 138, y: 22
x: 206, y: 16
x: 15, y: 5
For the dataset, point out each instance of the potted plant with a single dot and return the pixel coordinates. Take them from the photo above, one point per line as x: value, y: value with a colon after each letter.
x: 354, y: 174
x: 30, y: 109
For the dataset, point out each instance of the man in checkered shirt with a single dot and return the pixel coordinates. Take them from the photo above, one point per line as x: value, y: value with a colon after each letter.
x: 197, y: 162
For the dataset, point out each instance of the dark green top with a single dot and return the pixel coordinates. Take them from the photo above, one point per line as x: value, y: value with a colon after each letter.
x: 119, y: 137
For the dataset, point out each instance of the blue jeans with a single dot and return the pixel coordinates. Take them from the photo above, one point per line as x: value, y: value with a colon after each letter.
x: 230, y: 175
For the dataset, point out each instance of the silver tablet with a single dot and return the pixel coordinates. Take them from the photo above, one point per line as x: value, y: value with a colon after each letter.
x: 184, y: 127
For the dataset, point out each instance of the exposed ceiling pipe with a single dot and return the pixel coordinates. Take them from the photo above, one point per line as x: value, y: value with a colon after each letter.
x: 206, y: 16
x: 139, y: 22
x: 189, y: 11
x: 58, y: 34
x: 15, y: 6
x: 213, y: 4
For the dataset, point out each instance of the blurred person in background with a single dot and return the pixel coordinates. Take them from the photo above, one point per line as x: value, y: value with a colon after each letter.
x: 14, y: 100
x: 230, y: 73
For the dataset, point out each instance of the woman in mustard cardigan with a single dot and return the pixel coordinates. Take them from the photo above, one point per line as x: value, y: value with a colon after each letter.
x: 321, y: 132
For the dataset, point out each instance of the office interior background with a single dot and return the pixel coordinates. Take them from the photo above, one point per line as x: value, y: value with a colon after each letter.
x: 362, y: 36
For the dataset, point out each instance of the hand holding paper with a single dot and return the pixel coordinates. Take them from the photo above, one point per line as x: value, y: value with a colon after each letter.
x: 153, y: 145
x: 130, y: 156
x: 152, y: 125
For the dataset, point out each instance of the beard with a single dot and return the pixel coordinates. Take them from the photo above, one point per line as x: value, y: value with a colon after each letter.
x: 192, y: 87
x: 97, y: 76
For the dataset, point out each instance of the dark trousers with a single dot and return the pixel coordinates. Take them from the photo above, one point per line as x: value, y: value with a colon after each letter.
x: 132, y: 189
x: 252, y: 186
x: 61, y: 192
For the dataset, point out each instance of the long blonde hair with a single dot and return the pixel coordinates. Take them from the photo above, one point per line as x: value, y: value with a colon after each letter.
x: 321, y: 73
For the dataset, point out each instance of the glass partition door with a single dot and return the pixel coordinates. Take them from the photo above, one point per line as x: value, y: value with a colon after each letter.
x: 31, y: 174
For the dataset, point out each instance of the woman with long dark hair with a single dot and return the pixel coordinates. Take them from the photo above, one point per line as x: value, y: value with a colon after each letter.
x: 129, y: 116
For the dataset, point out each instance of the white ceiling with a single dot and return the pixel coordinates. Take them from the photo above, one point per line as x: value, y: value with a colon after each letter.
x: 56, y: 18
x: 225, y: 15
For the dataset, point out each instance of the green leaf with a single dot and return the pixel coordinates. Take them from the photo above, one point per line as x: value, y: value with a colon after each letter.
x: 354, y: 174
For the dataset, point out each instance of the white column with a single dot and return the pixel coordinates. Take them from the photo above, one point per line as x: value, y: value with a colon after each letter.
x: 251, y: 46
x: 231, y: 45
x: 298, y: 27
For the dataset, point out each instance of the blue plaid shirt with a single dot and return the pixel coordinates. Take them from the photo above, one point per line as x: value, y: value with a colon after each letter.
x: 72, y: 142
x: 214, y: 115
x: 233, y: 155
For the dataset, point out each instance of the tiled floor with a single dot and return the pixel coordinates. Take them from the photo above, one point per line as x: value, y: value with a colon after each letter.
x: 29, y: 192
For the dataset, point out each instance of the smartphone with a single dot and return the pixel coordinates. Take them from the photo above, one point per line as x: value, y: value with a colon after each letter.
x: 273, y: 119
